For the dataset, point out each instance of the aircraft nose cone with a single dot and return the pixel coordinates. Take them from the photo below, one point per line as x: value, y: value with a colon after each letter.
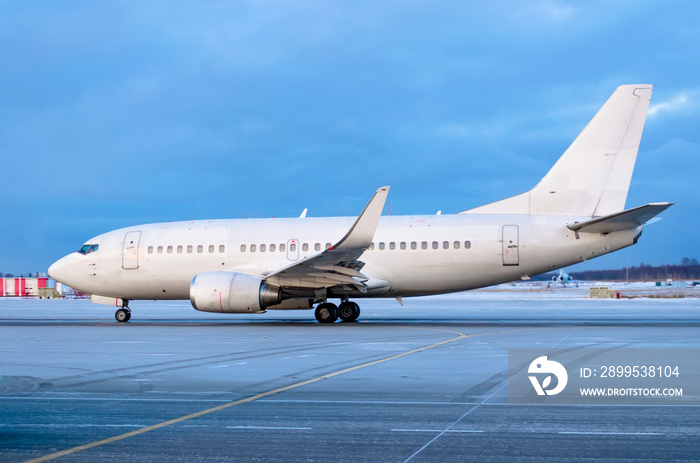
x: 57, y: 271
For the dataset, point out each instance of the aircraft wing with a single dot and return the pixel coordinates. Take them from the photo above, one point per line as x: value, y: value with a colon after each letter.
x: 339, y: 264
x: 625, y: 220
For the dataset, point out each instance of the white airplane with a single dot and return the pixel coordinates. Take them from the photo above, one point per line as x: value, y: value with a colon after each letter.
x: 575, y: 213
x: 563, y: 278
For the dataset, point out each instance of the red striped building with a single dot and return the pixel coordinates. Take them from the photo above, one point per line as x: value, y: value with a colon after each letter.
x: 22, y: 286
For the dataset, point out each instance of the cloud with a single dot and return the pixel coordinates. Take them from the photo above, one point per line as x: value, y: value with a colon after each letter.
x: 674, y: 105
x: 255, y: 108
x: 557, y: 13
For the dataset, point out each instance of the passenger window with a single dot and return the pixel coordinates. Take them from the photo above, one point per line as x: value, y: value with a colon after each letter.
x: 283, y: 247
x: 211, y: 248
x: 328, y: 245
x: 392, y: 245
x: 273, y: 247
x: 263, y: 248
x: 435, y: 245
x: 381, y: 245
x: 317, y: 247
x: 150, y: 249
x: 371, y: 246
x: 445, y: 245
x: 170, y: 249
x: 414, y: 245
x: 222, y: 248
x: 160, y: 249
x: 200, y: 249
x: 252, y: 248
x: 424, y: 245
x: 456, y: 244
x: 305, y: 247
x: 179, y: 249
x: 292, y: 247
x: 403, y: 245
x: 190, y: 249
x: 467, y: 245
x: 242, y: 247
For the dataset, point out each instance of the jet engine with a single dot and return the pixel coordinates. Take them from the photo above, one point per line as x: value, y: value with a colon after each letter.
x: 232, y: 292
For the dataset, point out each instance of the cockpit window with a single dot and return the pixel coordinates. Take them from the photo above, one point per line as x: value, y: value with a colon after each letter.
x: 88, y: 248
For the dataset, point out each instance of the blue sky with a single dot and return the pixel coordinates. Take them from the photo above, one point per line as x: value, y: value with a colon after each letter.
x: 119, y: 113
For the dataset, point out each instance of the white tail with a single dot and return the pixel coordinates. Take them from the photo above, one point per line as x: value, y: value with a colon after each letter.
x: 593, y: 175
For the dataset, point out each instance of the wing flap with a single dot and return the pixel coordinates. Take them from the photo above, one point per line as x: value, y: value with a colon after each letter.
x: 352, y: 272
x: 625, y: 220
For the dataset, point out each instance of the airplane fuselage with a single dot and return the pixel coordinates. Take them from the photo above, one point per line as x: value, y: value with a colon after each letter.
x: 415, y: 255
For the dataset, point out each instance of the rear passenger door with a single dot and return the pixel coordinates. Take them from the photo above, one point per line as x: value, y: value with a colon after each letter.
x: 511, y: 249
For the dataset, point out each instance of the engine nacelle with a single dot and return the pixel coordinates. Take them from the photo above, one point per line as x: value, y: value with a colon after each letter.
x: 232, y: 292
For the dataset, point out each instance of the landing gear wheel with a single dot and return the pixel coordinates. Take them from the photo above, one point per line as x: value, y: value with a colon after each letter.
x: 348, y: 311
x: 326, y: 312
x: 123, y: 315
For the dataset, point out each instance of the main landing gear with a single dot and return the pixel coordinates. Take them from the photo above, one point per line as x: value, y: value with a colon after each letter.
x: 123, y: 314
x: 328, y: 312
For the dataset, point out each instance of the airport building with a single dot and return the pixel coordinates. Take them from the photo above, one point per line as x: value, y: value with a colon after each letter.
x: 22, y: 286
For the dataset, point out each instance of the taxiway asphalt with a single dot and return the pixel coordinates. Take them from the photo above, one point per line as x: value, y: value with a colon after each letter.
x: 426, y: 382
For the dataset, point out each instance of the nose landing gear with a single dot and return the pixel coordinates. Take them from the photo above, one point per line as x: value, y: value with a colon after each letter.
x: 123, y: 314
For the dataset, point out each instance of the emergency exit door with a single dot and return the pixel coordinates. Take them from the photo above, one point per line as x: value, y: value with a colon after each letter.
x: 130, y: 251
x: 293, y: 249
x: 511, y: 250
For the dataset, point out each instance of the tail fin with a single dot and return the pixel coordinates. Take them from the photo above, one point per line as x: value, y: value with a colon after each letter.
x: 593, y: 175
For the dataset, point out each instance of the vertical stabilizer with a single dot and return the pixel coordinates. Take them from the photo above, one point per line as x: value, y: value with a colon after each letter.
x: 593, y: 175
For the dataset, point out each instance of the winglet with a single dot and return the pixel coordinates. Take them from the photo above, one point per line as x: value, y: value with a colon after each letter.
x: 362, y: 231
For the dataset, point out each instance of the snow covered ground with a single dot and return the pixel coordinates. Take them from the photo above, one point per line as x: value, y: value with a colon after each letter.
x: 579, y: 290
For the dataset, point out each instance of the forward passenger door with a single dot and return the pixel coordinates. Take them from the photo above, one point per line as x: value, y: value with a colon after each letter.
x: 130, y: 250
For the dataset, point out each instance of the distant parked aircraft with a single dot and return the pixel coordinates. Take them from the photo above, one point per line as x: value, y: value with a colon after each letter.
x: 576, y: 212
x: 563, y: 278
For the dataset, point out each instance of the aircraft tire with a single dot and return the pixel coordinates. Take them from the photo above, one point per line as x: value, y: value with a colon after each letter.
x: 349, y: 311
x: 123, y: 315
x: 326, y: 312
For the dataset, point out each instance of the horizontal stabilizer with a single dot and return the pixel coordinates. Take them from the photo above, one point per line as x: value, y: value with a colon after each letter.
x: 625, y: 220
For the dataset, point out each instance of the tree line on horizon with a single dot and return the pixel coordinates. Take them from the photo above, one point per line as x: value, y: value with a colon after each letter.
x: 688, y: 269
x: 29, y: 275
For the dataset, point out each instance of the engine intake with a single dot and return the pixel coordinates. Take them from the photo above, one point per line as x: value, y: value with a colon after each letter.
x: 232, y: 292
